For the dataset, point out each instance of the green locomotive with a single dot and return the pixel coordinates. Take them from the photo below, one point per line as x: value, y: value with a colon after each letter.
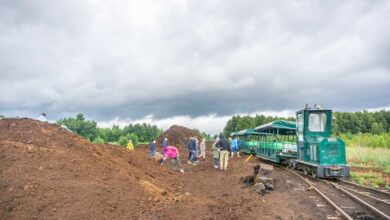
x: 305, y: 144
x: 319, y: 154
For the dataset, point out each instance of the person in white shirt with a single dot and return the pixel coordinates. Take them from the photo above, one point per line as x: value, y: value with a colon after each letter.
x: 42, y: 117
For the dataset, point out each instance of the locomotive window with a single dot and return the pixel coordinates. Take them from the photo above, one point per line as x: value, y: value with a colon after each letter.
x: 317, y: 122
x: 300, y: 123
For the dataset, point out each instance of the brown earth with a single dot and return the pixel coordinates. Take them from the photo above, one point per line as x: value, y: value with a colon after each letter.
x: 47, y: 172
x: 177, y: 135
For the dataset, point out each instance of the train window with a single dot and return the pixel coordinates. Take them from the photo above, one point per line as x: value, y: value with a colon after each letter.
x: 300, y: 126
x: 317, y: 122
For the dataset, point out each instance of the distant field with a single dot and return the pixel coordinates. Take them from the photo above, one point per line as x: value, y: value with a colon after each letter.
x: 371, y: 166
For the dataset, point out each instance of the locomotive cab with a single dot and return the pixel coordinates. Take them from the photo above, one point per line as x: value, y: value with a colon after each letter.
x: 318, y: 153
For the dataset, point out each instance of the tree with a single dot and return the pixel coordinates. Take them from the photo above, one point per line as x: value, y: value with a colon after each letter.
x: 81, y: 126
x: 2, y: 116
x: 377, y: 128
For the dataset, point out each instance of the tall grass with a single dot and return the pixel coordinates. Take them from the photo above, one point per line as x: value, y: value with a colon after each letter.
x: 367, y: 156
x: 367, y: 140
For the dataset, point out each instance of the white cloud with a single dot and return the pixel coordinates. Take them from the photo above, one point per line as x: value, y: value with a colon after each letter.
x: 205, y: 60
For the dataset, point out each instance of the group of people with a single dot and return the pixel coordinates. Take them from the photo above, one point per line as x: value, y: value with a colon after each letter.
x: 220, y: 148
x: 193, y: 147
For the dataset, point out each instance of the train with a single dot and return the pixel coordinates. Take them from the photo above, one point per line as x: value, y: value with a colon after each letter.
x: 305, y: 144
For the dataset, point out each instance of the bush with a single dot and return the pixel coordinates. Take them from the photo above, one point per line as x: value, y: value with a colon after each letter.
x: 123, y: 140
x: 98, y: 140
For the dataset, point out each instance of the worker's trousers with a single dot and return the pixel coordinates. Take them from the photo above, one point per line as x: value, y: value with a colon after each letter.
x: 223, y: 159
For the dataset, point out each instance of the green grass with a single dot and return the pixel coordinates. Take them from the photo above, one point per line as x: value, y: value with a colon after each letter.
x: 378, y: 158
x: 372, y: 179
x: 367, y: 140
x: 369, y: 157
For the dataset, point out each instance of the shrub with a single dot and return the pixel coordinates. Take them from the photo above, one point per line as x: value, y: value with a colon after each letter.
x: 98, y: 140
x: 123, y: 140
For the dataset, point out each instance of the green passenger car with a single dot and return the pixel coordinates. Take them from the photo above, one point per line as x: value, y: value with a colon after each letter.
x: 276, y: 141
x: 247, y: 140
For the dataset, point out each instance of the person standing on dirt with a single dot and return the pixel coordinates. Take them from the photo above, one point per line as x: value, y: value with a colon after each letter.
x: 224, y: 147
x: 194, y: 154
x: 234, y: 147
x: 172, y: 153
x: 216, y: 151
x: 153, y: 149
x: 164, y: 145
x: 202, y: 147
x: 42, y: 117
x: 188, y: 145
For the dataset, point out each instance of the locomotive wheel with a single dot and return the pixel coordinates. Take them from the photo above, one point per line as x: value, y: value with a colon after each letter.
x: 305, y: 170
x: 290, y: 164
x: 314, y: 173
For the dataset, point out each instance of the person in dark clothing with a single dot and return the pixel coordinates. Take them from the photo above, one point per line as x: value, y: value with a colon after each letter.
x: 224, y: 146
x: 188, y: 145
x: 164, y: 145
x: 194, y: 156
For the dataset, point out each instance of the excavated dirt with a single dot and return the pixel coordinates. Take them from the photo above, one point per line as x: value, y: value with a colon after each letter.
x: 47, y: 172
x: 177, y: 135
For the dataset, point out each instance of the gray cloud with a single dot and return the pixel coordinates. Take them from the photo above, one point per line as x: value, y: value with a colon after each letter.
x: 130, y: 59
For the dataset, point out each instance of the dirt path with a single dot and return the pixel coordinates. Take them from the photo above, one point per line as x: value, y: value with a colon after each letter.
x: 215, y: 194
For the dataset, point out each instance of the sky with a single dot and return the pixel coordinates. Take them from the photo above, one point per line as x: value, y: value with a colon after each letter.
x: 192, y: 63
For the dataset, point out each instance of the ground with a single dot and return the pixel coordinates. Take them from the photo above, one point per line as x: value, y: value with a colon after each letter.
x: 47, y: 172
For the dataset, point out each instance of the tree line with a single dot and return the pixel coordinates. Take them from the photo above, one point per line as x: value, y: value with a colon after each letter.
x: 344, y: 123
x: 138, y: 133
x: 371, y: 129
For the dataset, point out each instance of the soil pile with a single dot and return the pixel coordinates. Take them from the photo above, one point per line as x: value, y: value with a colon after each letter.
x: 47, y: 171
x: 177, y: 136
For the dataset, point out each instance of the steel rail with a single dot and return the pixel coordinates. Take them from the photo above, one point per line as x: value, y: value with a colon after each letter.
x: 322, y: 194
x: 363, y: 186
x: 364, y: 194
x: 372, y: 208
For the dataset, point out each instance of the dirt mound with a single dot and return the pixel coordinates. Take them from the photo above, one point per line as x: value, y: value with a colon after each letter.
x: 177, y: 135
x: 47, y: 171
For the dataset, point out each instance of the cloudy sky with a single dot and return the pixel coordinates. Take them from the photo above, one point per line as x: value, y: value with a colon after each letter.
x: 194, y: 63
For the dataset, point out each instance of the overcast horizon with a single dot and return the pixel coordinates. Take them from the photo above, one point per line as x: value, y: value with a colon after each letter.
x: 192, y: 63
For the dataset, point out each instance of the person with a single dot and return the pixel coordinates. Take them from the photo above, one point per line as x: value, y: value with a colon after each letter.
x: 234, y: 147
x: 42, y: 117
x: 188, y: 145
x: 215, y: 153
x: 196, y: 147
x: 238, y: 146
x: 130, y: 145
x: 224, y: 148
x: 164, y: 145
x: 153, y: 149
x: 194, y: 155
x: 202, y: 147
x: 172, y: 153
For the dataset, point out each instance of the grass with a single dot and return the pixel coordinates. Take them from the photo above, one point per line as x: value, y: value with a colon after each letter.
x: 372, y: 179
x: 377, y: 158
x: 369, y: 157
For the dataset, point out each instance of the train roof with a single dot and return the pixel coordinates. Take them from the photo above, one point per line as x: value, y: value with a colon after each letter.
x: 285, y: 127
x: 244, y: 132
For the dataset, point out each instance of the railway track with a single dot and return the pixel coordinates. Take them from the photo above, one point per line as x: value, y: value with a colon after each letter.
x: 351, y: 201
